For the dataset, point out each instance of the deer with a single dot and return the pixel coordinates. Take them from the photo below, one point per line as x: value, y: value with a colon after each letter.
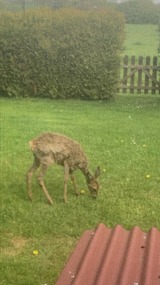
x: 53, y: 148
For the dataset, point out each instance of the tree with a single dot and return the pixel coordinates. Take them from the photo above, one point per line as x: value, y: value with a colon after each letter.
x: 140, y: 11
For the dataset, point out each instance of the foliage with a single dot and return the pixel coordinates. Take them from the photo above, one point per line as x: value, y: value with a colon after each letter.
x: 60, y: 54
x: 136, y: 11
x: 140, y: 11
x: 91, y: 4
x: 159, y: 39
x: 55, y: 4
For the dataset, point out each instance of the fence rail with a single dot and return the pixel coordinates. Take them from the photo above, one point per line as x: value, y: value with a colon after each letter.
x: 139, y: 75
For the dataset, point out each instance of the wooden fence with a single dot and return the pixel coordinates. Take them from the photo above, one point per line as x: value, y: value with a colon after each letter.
x: 140, y: 75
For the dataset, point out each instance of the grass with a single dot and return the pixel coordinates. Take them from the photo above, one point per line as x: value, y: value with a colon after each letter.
x: 121, y: 136
x: 141, y: 40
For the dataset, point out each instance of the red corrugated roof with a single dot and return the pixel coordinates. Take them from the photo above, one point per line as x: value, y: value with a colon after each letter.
x: 105, y: 256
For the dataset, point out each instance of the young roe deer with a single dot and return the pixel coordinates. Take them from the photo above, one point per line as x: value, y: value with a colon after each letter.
x: 51, y: 148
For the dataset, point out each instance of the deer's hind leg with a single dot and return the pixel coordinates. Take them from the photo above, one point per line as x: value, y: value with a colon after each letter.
x: 41, y: 182
x: 29, y: 175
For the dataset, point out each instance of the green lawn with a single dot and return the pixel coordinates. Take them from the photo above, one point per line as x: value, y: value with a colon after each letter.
x: 141, y: 40
x: 121, y: 136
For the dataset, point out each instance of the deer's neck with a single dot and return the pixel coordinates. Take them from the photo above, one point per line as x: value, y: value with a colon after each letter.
x: 87, y: 174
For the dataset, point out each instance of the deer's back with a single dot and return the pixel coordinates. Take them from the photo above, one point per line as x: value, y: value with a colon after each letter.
x: 52, y: 147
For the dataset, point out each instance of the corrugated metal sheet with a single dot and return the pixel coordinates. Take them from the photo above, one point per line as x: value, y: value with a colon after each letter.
x: 115, y: 256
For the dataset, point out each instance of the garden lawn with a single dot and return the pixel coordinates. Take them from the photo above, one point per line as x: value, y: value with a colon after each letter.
x: 141, y: 40
x: 121, y: 136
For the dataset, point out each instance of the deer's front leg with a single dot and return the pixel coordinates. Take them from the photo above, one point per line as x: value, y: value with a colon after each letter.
x: 41, y: 182
x: 74, y: 183
x: 29, y: 175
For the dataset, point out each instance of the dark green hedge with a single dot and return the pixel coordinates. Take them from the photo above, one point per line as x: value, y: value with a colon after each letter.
x: 159, y: 38
x: 60, y: 54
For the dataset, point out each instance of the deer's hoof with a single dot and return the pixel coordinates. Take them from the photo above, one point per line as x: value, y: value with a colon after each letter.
x: 30, y: 198
x: 50, y: 202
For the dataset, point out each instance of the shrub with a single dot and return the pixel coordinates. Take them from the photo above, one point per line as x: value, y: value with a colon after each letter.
x: 60, y: 54
x: 159, y: 40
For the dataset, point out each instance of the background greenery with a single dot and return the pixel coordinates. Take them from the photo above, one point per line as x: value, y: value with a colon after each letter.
x: 60, y: 54
x: 42, y: 55
x: 140, y: 12
x: 159, y: 38
x: 135, y: 11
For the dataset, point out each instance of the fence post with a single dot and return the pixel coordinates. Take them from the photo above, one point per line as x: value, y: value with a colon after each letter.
x: 140, y: 63
x: 146, y: 83
x: 154, y: 74
x: 125, y: 72
x: 133, y: 60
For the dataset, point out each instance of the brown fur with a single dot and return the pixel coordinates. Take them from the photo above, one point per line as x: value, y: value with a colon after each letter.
x: 51, y: 148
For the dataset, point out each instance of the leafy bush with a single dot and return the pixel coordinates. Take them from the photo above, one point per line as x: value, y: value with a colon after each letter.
x: 159, y: 39
x: 60, y: 54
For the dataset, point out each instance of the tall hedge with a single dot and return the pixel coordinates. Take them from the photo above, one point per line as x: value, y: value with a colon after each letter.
x: 60, y: 54
x: 159, y: 39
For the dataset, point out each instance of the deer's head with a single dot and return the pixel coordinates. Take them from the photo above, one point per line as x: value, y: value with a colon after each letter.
x: 92, y: 183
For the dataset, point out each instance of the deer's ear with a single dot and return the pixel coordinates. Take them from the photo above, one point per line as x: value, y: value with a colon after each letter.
x: 98, y: 172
